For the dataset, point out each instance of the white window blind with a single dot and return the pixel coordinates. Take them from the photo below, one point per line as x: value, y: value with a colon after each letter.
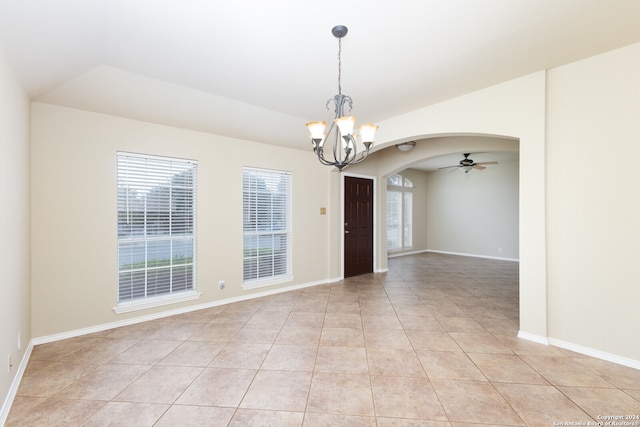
x: 266, y: 227
x: 156, y: 226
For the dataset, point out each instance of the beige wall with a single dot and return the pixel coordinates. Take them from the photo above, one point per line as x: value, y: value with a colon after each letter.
x: 74, y: 253
x: 514, y: 110
x: 474, y: 213
x: 577, y: 193
x: 14, y: 226
x: 593, y: 191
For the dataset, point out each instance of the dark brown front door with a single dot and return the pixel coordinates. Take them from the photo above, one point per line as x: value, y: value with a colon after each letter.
x: 358, y: 226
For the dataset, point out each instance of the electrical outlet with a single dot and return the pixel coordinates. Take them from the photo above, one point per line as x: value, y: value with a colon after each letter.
x: 221, y: 284
x: 9, y: 364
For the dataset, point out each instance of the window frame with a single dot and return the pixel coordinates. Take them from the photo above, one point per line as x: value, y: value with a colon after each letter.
x: 151, y: 173
x: 404, y: 187
x: 253, y: 230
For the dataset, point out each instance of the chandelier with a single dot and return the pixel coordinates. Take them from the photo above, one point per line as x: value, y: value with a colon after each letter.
x: 344, y: 150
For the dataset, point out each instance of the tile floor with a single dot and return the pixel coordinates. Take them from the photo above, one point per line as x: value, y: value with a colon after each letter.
x: 430, y: 343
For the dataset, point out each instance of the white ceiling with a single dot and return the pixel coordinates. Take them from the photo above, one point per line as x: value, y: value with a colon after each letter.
x: 259, y: 69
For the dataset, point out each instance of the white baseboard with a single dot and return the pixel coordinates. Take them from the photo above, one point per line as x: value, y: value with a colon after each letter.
x: 126, y: 322
x: 532, y: 337
x: 397, y: 254
x: 13, y: 389
x: 598, y: 354
x: 587, y: 351
x: 472, y: 255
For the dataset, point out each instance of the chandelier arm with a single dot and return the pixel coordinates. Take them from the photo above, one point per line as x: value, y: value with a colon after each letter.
x: 353, y: 151
x: 329, y: 101
x: 349, y: 101
x: 337, y: 149
x: 324, y: 161
x: 331, y: 127
x: 341, y: 165
x: 363, y: 155
x: 320, y: 150
x: 329, y: 134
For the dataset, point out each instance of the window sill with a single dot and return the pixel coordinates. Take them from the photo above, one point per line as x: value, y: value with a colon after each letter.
x: 143, y: 304
x: 254, y: 284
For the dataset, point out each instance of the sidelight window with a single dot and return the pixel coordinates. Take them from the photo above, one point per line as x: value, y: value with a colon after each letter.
x: 399, y: 213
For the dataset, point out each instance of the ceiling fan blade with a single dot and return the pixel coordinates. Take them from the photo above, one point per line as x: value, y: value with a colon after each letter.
x: 447, y: 167
x: 478, y: 167
x: 487, y: 163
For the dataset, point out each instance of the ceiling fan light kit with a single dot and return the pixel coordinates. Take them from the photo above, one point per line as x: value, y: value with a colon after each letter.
x: 344, y: 150
x: 467, y: 164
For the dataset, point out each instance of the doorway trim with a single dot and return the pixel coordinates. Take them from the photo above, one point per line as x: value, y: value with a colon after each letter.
x: 375, y: 218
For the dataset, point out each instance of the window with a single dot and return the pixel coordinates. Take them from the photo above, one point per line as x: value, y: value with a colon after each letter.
x: 156, y: 227
x: 399, y: 213
x: 266, y: 202
x: 394, y: 223
x: 407, y: 219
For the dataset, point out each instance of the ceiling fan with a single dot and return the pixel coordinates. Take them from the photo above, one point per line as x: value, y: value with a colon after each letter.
x: 467, y: 164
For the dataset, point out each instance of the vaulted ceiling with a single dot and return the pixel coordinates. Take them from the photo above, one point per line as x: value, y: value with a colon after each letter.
x: 260, y: 69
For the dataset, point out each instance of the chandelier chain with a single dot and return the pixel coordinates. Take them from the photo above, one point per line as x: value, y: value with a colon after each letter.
x: 340, y: 66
